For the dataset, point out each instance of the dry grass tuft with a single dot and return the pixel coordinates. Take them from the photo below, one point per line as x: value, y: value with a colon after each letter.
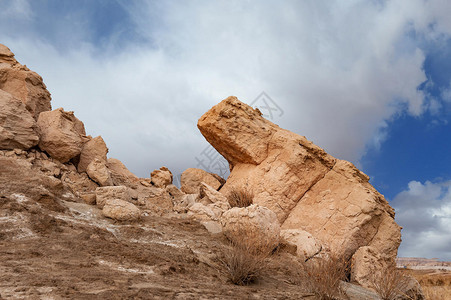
x: 245, y: 258
x: 240, y: 198
x: 243, y: 263
x: 390, y: 283
x: 323, y: 277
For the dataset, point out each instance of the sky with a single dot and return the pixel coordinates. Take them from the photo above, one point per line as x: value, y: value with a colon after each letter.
x: 368, y: 81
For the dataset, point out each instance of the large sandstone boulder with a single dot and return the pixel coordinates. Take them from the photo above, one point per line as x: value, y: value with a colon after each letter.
x: 93, y: 149
x: 192, y: 178
x: 23, y: 84
x: 98, y: 172
x: 17, y: 126
x: 305, y: 244
x: 161, y: 178
x: 253, y: 223
x: 307, y: 188
x: 121, y: 175
x: 62, y: 134
x: 120, y: 210
x: 156, y: 201
x: 366, y: 261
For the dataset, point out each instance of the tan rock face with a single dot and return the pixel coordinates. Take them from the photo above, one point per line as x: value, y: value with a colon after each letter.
x: 93, y: 149
x: 306, y: 245
x: 366, y: 261
x: 23, y: 84
x: 156, y: 201
x: 62, y: 134
x: 255, y: 223
x: 192, y: 178
x: 111, y: 192
x: 17, y: 176
x: 306, y: 188
x: 17, y: 126
x: 121, y: 175
x: 161, y: 178
x: 120, y: 210
x: 98, y: 172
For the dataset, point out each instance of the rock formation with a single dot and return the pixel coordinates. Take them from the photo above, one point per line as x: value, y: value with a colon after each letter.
x: 307, y: 188
x: 23, y: 84
x: 192, y: 179
x: 17, y: 126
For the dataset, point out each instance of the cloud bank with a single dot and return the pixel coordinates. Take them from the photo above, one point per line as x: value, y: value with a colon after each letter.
x: 338, y: 69
x: 424, y: 210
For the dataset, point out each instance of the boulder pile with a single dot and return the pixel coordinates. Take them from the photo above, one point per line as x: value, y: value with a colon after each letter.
x: 321, y: 202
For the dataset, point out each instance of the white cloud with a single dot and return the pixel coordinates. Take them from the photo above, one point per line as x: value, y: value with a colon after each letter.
x: 446, y: 94
x: 424, y: 212
x: 18, y: 9
x: 338, y: 69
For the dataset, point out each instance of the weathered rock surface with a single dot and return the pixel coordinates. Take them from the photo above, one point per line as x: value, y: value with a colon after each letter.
x: 111, y: 192
x: 17, y: 176
x: 120, y: 210
x: 305, y: 244
x: 161, y: 178
x: 98, y: 172
x: 93, y: 149
x: 156, y: 201
x: 23, y: 84
x: 62, y: 134
x: 17, y: 126
x: 256, y: 223
x: 192, y: 178
x: 306, y: 188
x: 121, y: 175
x: 366, y: 261
x: 211, y: 195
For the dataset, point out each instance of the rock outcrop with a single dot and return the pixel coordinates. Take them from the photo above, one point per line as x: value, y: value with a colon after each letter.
x: 307, y: 188
x: 305, y: 245
x: 17, y: 126
x: 192, y: 178
x: 103, y: 194
x: 98, y: 171
x: 23, y: 84
x: 62, y: 134
x: 121, y: 175
x: 161, y: 178
x: 121, y: 210
x: 93, y: 149
x: 253, y: 223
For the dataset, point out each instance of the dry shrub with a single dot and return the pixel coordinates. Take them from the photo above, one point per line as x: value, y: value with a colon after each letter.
x: 323, y: 277
x: 245, y: 258
x: 390, y: 283
x: 240, y: 198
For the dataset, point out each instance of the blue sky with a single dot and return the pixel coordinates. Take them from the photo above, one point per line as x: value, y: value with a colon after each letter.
x: 369, y: 81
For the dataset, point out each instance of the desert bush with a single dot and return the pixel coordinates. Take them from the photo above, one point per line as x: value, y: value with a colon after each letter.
x: 245, y: 258
x: 240, y: 198
x: 390, y: 283
x: 323, y: 276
